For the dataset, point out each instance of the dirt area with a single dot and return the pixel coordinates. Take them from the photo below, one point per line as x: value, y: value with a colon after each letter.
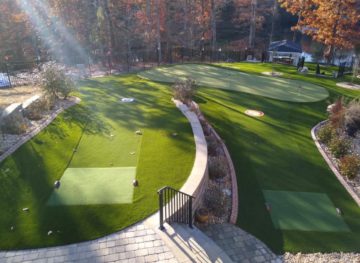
x: 16, y: 95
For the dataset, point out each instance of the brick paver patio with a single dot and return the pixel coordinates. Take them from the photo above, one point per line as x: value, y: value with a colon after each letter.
x: 138, y: 243
x: 239, y: 245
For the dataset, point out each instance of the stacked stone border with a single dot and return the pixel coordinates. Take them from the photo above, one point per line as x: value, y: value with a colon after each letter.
x: 198, y: 179
x: 39, y: 128
x: 234, y: 188
x: 331, y: 164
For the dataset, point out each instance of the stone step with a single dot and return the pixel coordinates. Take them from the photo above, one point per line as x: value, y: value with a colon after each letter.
x: 190, y: 244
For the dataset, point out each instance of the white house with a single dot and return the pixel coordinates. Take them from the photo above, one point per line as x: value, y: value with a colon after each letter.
x: 285, y: 51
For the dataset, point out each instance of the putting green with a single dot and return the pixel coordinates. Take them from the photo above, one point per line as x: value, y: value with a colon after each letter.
x: 271, y: 87
x: 93, y: 186
x: 304, y: 211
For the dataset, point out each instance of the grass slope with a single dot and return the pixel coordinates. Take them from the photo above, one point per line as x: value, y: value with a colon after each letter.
x: 276, y: 152
x: 27, y: 176
x: 217, y: 77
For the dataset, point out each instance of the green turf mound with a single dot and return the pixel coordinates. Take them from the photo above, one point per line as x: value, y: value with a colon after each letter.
x: 94, y: 186
x: 304, y: 211
x: 205, y: 75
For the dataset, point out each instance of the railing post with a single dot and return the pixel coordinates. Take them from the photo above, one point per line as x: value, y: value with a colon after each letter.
x: 8, y: 75
x: 161, y: 210
x: 190, y: 211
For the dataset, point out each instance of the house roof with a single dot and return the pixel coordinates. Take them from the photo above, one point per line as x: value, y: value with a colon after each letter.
x: 285, y: 46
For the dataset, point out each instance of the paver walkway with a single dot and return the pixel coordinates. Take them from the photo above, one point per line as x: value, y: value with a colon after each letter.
x: 239, y: 245
x: 138, y: 243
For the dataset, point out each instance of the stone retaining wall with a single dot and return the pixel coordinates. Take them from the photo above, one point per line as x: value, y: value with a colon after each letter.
x: 199, y: 177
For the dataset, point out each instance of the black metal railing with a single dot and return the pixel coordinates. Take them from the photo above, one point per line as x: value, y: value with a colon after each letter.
x: 174, y: 206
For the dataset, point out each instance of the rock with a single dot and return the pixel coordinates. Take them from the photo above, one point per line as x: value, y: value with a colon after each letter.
x: 49, y: 232
x: 127, y: 100
x: 132, y: 153
x: 174, y: 134
x: 26, y: 209
x: 32, y: 108
x: 304, y: 70
x: 227, y: 192
x: 12, y: 119
x: 135, y: 183
x: 330, y: 107
x: 12, y: 228
x: 138, y: 132
x: 57, y: 184
x: 338, y: 210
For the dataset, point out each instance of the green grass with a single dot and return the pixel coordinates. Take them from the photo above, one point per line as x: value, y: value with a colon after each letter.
x: 303, y: 211
x: 28, y: 175
x: 216, y: 77
x: 276, y: 152
x: 94, y: 186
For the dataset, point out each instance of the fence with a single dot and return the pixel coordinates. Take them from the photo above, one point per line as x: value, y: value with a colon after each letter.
x: 174, y: 206
x: 100, y: 63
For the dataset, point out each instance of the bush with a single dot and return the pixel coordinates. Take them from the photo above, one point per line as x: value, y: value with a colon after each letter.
x: 217, y: 167
x: 214, y: 200
x: 352, y: 118
x: 349, y: 166
x: 326, y: 133
x: 337, y: 115
x: 212, y: 145
x: 54, y: 81
x: 339, y: 146
x: 184, y: 90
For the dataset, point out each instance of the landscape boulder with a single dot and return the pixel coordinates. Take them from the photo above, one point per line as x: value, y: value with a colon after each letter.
x: 12, y: 120
x: 32, y: 108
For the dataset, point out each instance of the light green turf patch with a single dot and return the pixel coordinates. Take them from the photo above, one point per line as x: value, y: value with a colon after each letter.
x: 304, y: 211
x: 271, y: 87
x: 90, y: 186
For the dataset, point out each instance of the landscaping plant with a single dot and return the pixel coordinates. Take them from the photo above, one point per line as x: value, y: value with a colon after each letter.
x: 54, y: 81
x: 326, y: 133
x: 352, y: 118
x: 184, y: 90
x: 349, y: 166
x: 337, y: 115
x: 339, y: 146
x: 214, y: 200
x: 217, y: 167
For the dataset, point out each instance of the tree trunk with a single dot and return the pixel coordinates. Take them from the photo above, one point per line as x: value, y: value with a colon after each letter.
x: 274, y: 16
x: 158, y: 40
x: 213, y: 26
x: 110, y: 26
x: 252, y: 24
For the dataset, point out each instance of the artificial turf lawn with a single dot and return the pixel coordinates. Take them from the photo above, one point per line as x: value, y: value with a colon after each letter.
x: 95, y: 186
x: 210, y: 76
x: 303, y: 211
x: 27, y: 176
x: 276, y: 152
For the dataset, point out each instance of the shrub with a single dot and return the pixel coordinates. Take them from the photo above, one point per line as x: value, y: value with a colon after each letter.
x: 184, y: 90
x: 217, y: 167
x: 214, y: 200
x: 352, y: 118
x: 349, y: 166
x: 337, y: 115
x: 326, y: 133
x: 212, y: 145
x: 339, y: 146
x: 54, y: 81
